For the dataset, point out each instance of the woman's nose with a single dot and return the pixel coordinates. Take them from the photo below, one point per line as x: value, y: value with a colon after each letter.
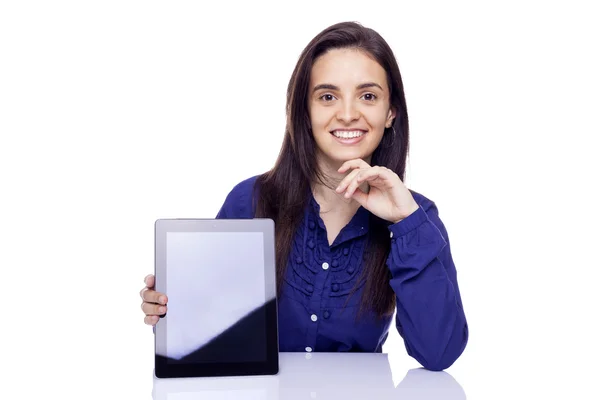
x: 348, y: 112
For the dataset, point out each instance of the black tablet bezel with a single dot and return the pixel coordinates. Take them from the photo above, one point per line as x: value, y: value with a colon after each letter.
x: 162, y: 369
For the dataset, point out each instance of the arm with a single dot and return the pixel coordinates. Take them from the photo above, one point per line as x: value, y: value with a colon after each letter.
x: 430, y: 316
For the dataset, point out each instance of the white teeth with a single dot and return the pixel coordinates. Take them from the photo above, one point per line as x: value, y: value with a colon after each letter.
x: 347, y: 134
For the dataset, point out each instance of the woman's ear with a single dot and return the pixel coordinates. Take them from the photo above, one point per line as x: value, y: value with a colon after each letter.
x: 390, y: 117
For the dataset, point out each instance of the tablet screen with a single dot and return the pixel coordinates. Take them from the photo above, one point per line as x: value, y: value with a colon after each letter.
x: 221, y: 305
x: 216, y: 287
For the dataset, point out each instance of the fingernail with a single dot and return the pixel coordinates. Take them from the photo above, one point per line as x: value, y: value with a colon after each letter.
x: 162, y: 310
x: 163, y: 300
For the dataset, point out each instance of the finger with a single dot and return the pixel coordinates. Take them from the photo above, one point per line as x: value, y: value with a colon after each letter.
x: 356, y: 182
x: 380, y: 175
x: 352, y: 185
x: 152, y: 296
x: 372, y: 174
x: 355, y: 163
x: 149, y: 281
x: 150, y: 320
x: 360, y: 197
x: 153, y: 309
x: 346, y: 181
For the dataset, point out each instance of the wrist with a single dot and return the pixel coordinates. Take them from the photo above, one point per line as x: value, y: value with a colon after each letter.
x: 411, y: 211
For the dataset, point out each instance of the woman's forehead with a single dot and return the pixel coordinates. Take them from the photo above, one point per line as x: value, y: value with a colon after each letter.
x: 347, y: 67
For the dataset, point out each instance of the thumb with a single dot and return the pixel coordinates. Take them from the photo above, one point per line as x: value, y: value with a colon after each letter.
x: 149, y: 281
x: 360, y: 197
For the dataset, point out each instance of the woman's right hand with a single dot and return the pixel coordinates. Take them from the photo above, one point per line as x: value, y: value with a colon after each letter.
x: 154, y: 304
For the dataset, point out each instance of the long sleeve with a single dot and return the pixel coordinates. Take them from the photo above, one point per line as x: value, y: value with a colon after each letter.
x: 430, y: 316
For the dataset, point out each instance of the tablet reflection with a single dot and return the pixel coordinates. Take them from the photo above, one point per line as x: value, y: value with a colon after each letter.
x: 317, y: 376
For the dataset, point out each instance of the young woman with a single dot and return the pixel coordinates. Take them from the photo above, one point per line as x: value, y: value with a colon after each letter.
x: 353, y: 243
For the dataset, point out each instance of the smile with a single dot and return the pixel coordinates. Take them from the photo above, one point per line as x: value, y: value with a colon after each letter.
x: 348, y: 134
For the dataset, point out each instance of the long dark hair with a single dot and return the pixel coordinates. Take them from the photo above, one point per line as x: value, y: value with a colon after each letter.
x: 283, y: 192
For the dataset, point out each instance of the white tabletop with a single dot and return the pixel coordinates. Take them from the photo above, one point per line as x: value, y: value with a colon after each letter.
x: 318, y: 376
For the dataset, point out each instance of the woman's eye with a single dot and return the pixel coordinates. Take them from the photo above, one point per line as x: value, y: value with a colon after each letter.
x: 369, y: 96
x: 327, y: 97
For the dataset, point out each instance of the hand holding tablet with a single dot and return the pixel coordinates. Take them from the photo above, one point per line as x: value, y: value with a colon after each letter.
x: 154, y: 303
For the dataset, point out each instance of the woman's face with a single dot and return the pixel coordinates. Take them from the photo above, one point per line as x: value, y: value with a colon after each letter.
x: 349, y: 106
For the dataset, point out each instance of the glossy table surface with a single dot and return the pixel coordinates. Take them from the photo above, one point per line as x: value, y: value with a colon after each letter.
x: 317, y: 376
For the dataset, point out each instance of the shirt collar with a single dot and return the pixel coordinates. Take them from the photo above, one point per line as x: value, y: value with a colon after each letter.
x: 358, y: 225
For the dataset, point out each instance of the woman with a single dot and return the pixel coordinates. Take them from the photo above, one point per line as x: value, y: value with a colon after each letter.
x: 353, y: 243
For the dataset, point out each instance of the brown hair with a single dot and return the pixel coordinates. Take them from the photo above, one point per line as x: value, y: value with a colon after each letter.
x: 284, y: 190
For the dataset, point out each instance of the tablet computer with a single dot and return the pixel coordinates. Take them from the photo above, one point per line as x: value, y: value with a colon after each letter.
x: 220, y: 280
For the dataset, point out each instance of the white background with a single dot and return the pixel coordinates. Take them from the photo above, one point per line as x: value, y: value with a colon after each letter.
x: 116, y: 113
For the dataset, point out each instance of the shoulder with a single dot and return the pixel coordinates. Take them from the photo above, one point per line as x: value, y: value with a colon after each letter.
x: 244, y: 188
x: 239, y: 201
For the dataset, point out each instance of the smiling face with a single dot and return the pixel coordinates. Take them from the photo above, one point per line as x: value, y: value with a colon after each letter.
x: 349, y: 106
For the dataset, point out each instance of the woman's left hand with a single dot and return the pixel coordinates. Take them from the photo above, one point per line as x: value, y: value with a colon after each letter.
x: 387, y: 196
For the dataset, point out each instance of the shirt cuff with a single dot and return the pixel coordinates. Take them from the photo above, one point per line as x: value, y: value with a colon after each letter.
x: 410, y: 223
x: 415, y: 242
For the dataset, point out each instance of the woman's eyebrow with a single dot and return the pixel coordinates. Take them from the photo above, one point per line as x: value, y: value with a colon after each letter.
x: 325, y: 86
x: 368, y: 85
x: 329, y: 86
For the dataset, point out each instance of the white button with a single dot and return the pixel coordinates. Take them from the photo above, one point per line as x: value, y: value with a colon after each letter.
x: 391, y: 234
x: 308, y: 349
x: 325, y: 265
x: 313, y: 318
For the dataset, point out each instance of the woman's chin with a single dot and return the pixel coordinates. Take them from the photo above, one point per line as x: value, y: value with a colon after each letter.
x: 341, y: 158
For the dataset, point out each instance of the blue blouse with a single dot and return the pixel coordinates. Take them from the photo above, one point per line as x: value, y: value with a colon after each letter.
x: 312, y: 310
